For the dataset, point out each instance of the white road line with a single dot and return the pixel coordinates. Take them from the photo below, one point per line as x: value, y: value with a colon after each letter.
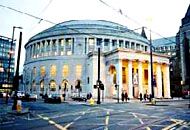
x: 52, y: 122
x: 68, y: 125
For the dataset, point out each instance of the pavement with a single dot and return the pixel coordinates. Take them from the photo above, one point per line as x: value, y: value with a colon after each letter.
x: 7, y: 114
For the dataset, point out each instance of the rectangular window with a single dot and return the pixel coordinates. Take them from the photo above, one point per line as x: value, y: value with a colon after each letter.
x: 120, y: 43
x: 42, y: 71
x: 78, y: 71
x: 126, y: 44
x: 132, y: 45
x: 114, y: 43
x: 53, y: 71
x: 99, y: 41
x: 106, y: 42
x: 65, y: 70
x: 138, y: 46
x: 88, y: 80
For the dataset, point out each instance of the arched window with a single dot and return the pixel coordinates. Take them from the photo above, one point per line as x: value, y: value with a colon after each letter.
x: 53, y: 70
x: 65, y: 70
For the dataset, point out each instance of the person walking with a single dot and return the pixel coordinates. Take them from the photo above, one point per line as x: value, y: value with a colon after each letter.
x: 126, y: 96
x: 122, y: 96
x: 145, y: 96
x: 141, y: 97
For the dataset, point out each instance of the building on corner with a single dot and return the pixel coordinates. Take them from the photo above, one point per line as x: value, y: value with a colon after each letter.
x: 61, y: 57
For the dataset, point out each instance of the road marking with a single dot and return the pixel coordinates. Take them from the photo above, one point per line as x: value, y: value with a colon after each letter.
x: 52, y: 122
x: 172, y: 126
x: 107, y: 120
x: 140, y: 120
x: 68, y: 125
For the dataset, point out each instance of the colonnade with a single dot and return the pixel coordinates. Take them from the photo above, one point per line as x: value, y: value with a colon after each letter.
x: 161, y: 78
x: 69, y: 46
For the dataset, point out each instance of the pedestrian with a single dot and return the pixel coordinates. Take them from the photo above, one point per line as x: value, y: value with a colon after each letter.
x: 141, y: 97
x: 126, y: 96
x: 90, y: 95
x: 145, y: 97
x: 122, y: 96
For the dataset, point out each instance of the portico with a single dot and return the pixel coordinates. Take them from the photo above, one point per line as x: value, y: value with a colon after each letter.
x: 131, y: 71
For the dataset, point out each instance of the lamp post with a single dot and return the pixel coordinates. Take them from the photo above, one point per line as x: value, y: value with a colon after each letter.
x: 11, y: 51
x: 16, y: 78
x: 10, y: 56
x: 151, y: 68
x: 98, y: 100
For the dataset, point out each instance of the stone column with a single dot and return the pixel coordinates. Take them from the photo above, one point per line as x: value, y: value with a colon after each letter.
x: 57, y: 46
x: 31, y: 51
x: 159, y: 81
x: 110, y: 45
x: 119, y: 80
x: 167, y: 81
x: 51, y: 44
x: 103, y: 45
x: 130, y: 84
x: 149, y: 79
x: 140, y: 73
x: 45, y: 48
x: 40, y: 51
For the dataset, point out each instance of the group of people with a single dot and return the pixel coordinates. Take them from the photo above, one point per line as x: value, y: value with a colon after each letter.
x: 145, y: 97
x: 124, y: 96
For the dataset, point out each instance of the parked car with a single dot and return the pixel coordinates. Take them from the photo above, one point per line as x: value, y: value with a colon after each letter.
x: 30, y: 97
x: 81, y: 97
x: 54, y: 98
x: 20, y: 95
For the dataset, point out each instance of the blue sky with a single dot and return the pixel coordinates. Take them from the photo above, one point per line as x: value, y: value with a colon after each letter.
x: 163, y: 16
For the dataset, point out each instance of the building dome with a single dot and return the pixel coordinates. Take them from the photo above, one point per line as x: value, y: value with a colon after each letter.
x: 89, y: 27
x: 63, y: 59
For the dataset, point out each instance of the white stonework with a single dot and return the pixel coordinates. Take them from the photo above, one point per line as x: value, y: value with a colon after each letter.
x: 58, y: 58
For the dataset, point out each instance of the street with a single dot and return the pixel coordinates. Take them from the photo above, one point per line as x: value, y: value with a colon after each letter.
x: 81, y: 116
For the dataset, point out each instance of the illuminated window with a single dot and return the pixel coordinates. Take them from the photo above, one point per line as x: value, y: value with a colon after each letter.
x: 65, y: 70
x: 42, y: 71
x: 34, y: 71
x: 78, y: 71
x: 53, y: 71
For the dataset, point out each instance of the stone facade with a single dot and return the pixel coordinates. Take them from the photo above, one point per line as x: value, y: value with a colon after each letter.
x: 58, y: 58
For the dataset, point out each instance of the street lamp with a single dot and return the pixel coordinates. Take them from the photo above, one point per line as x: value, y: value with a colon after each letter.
x: 16, y: 78
x: 151, y: 68
x: 11, y: 52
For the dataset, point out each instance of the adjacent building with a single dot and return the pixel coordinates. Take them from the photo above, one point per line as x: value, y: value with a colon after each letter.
x: 183, y: 43
x: 65, y: 55
x: 7, y: 48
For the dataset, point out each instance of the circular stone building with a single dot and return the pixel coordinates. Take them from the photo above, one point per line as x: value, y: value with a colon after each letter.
x: 63, y: 58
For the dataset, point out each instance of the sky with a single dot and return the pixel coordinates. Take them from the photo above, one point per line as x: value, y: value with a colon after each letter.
x: 162, y: 16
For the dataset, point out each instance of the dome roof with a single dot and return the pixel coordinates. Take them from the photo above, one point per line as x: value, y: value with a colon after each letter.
x: 88, y: 27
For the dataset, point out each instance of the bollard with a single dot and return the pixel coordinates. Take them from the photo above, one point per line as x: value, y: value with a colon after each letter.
x: 91, y: 101
x: 19, y: 106
x: 153, y: 101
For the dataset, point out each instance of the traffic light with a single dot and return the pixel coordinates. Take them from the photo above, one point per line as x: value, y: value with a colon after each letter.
x: 116, y: 86
x: 101, y: 85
